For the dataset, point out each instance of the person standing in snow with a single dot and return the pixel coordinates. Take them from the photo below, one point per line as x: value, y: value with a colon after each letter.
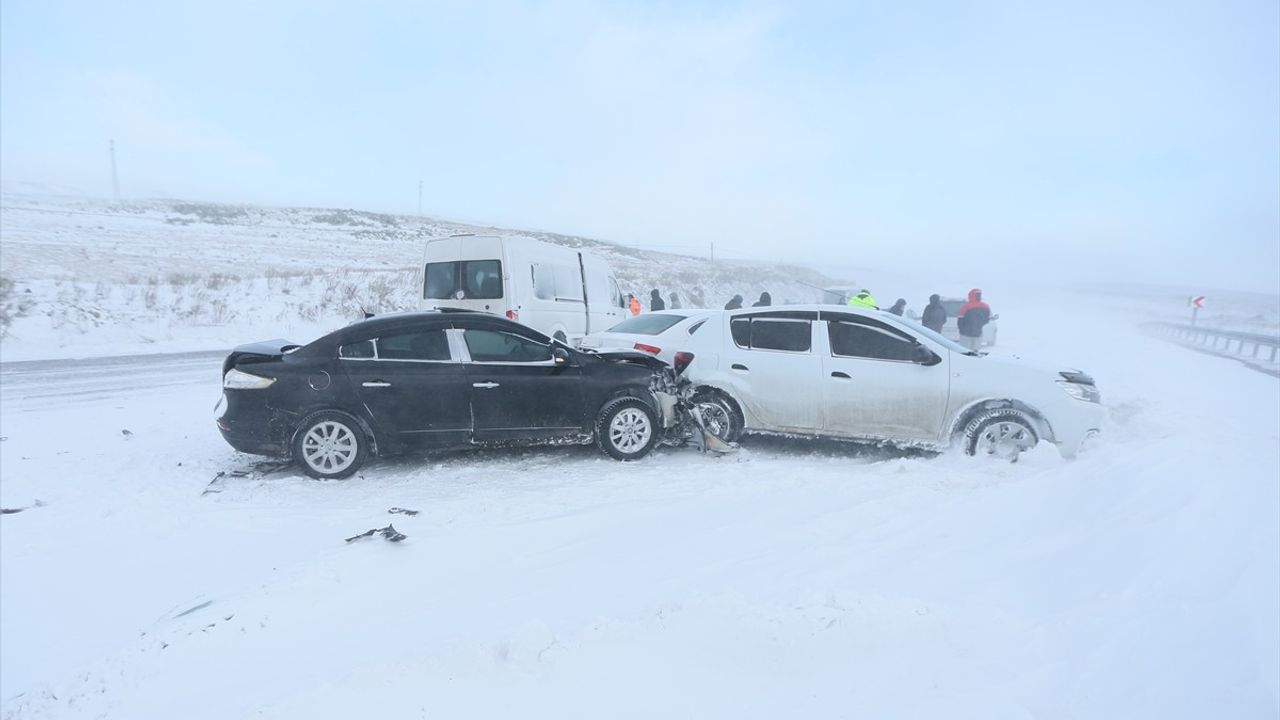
x: 675, y: 301
x: 655, y: 301
x: 935, y: 316
x: 734, y: 304
x: 971, y: 318
x: 863, y: 299
x: 765, y: 300
x: 899, y: 307
x: 633, y: 304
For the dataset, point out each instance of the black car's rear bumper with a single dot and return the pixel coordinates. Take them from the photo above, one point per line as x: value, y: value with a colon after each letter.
x: 248, y: 425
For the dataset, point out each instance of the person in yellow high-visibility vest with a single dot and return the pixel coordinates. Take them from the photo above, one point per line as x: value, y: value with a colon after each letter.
x: 863, y: 299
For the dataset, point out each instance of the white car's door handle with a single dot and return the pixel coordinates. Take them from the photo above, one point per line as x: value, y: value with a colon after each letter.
x: 485, y: 385
x: 375, y: 383
x: 740, y: 367
x: 840, y: 376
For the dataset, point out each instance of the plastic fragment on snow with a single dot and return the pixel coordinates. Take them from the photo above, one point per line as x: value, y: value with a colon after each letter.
x: 389, y: 532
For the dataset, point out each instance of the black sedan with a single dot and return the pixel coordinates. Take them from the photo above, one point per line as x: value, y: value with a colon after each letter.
x: 437, y: 380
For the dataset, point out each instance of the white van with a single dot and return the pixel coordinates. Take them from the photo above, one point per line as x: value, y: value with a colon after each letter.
x: 560, y: 291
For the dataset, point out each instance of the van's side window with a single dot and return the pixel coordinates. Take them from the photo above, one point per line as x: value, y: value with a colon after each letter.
x: 568, y: 283
x: 616, y: 292
x: 544, y: 281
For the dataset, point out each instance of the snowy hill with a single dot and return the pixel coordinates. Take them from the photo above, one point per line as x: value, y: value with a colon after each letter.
x: 84, y: 276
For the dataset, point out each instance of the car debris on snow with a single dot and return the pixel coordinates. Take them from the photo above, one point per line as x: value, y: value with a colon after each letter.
x: 11, y: 511
x: 402, y: 511
x: 389, y: 532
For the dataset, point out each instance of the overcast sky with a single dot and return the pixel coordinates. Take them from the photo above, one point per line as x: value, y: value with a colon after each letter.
x: 1071, y: 141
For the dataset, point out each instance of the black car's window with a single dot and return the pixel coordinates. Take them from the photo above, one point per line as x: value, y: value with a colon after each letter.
x: 362, y: 350
x: 762, y: 333
x: 477, y: 279
x: 493, y: 346
x: 647, y: 324
x: 420, y: 345
x: 866, y: 338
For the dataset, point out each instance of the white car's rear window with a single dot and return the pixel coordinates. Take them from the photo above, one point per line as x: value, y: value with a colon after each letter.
x: 647, y: 324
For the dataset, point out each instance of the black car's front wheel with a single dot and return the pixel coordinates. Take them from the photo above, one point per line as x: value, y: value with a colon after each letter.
x: 330, y: 445
x: 627, y: 429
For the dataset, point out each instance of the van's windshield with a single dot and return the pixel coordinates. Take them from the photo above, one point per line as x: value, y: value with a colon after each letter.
x: 475, y: 279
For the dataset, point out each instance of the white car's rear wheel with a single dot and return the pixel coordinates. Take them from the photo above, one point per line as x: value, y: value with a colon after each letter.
x: 719, y: 417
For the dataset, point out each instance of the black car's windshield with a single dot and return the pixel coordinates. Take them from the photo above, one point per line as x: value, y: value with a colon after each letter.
x: 647, y: 324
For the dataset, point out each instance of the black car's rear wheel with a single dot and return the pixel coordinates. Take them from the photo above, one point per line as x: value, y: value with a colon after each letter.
x: 627, y: 429
x: 330, y: 445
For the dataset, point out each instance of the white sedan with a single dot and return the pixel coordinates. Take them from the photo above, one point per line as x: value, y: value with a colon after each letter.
x: 659, y: 334
x: 869, y: 375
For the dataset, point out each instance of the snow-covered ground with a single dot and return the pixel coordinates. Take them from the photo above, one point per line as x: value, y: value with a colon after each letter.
x: 81, y: 277
x: 793, y: 579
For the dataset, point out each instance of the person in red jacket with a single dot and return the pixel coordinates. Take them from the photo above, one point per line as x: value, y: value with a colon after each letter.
x: 971, y: 318
x: 634, y: 305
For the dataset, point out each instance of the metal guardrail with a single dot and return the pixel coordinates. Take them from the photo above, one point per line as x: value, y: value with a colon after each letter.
x: 1255, y: 347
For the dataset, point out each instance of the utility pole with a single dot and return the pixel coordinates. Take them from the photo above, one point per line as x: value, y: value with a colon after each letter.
x: 115, y: 178
x: 419, y: 196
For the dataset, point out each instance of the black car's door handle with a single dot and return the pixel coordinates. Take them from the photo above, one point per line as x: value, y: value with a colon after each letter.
x: 375, y: 383
x: 739, y: 366
x: 838, y: 374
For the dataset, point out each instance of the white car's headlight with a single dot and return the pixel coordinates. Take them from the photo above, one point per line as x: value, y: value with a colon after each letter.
x: 236, y: 380
x: 1080, y: 391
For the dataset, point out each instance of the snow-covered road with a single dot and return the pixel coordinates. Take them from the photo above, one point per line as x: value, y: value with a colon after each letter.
x: 790, y: 580
x: 42, y: 383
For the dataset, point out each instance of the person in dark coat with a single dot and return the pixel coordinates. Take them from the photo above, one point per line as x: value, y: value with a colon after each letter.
x: 765, y: 300
x: 899, y: 307
x: 655, y: 301
x: 971, y: 318
x: 675, y: 301
x: 734, y: 304
x: 935, y: 316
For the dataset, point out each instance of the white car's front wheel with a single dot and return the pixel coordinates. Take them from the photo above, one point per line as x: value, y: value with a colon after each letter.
x: 1004, y: 433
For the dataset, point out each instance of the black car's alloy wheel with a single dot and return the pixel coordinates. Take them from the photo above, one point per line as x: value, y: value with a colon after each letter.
x: 627, y: 429
x: 329, y: 445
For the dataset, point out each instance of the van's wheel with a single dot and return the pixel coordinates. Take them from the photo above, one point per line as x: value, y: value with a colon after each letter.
x: 330, y: 445
x: 627, y: 429
x: 1003, y: 433
x: 719, y: 416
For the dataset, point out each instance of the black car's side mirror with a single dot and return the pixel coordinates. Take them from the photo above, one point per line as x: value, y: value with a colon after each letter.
x: 922, y: 355
x: 560, y: 355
